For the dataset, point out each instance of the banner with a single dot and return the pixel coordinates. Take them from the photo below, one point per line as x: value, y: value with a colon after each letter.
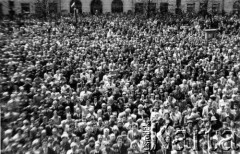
x: 146, y: 138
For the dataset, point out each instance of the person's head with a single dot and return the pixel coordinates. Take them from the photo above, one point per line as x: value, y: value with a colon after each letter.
x: 56, y: 145
x: 44, y: 133
x: 235, y: 107
x: 115, y: 129
x: 224, y: 97
x: 91, y: 142
x: 130, y: 119
x: 87, y: 102
x: 73, y: 146
x: 95, y: 99
x: 167, y: 139
x: 140, y: 107
x: 104, y: 106
x: 115, y: 148
x: 134, y: 144
x: 107, y: 145
x: 213, y: 120
x: 166, y: 115
x: 100, y: 138
x: 67, y: 109
x: 109, y: 109
x: 135, y: 126
x: 120, y: 140
x: 232, y: 124
x: 106, y: 131
x: 189, y: 110
x: 112, y: 137
x: 97, y: 146
x: 68, y: 116
x: 225, y: 124
x: 120, y: 124
x: 36, y: 143
x: 214, y: 110
x: 222, y: 107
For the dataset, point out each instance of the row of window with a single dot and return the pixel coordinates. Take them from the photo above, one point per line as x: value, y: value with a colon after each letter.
x: 117, y: 6
x: 203, y: 7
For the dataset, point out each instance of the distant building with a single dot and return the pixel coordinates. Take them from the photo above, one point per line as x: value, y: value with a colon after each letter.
x: 103, y: 6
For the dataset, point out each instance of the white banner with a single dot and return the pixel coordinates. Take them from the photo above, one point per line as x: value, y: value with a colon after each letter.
x: 146, y: 138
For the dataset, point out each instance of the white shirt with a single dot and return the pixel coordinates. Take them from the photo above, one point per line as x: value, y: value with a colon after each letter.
x: 64, y: 88
x: 84, y: 94
x: 223, y: 102
x: 57, y: 76
x: 177, y: 116
x: 89, y: 77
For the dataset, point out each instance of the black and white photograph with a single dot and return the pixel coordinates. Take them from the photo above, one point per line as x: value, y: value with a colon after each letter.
x: 120, y: 76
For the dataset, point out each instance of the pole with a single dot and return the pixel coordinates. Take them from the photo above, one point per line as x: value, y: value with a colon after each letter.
x: 60, y: 3
x: 223, y: 7
x: 148, y: 9
x: 75, y: 13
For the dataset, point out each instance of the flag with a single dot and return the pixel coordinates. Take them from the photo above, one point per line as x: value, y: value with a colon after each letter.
x: 73, y: 4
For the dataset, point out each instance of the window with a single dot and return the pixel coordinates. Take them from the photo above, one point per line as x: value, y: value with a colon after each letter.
x: 178, y: 3
x: 215, y: 8
x: 117, y: 6
x: 53, y: 7
x: 11, y: 4
x: 163, y: 7
x: 139, y: 8
x: 1, y: 11
x: 25, y: 7
x: 152, y: 7
x: 236, y: 7
x: 191, y: 7
x: 203, y: 7
x: 38, y: 8
x: 96, y: 6
x: 78, y: 6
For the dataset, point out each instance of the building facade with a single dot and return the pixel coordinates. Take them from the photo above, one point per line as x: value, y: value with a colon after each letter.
x: 104, y: 6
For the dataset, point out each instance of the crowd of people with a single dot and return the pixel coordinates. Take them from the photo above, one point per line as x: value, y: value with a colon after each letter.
x: 101, y: 85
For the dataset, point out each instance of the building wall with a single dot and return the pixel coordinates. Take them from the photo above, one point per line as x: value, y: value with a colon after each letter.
x: 228, y: 5
x: 4, y: 6
x: 64, y: 5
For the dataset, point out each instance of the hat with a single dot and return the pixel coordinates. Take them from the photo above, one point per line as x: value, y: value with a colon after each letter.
x: 226, y: 132
x: 91, y: 140
x: 213, y: 118
x: 119, y: 137
x: 73, y: 144
x: 115, y: 146
x: 189, y: 121
x: 36, y: 141
x: 188, y: 105
x: 107, y: 143
x: 140, y: 106
x: 124, y: 133
x: 64, y: 135
x: 178, y: 132
x: 25, y: 121
x: 8, y: 132
x: 212, y: 96
x: 55, y: 142
x: 224, y: 123
x: 177, y: 126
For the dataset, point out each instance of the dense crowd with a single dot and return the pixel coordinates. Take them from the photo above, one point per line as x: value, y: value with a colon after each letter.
x: 93, y: 87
